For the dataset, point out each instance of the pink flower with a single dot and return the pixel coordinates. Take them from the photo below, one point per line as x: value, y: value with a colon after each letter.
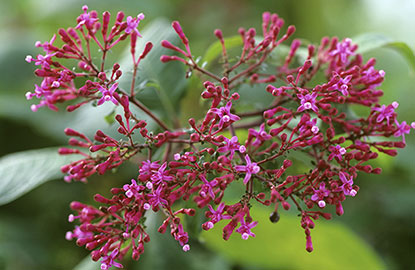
x: 342, y: 85
x: 386, y: 112
x: 225, y: 116
x: 402, y: 129
x: 320, y: 194
x: 307, y: 102
x: 108, y: 94
x: 260, y: 136
x: 347, y: 186
x: 343, y: 50
x: 108, y: 260
x: 161, y: 175
x: 230, y: 146
x: 156, y: 197
x: 87, y: 18
x: 245, y: 229
x: 216, y: 216
x: 336, y: 152
x: 250, y: 168
x: 207, y: 187
x: 132, y: 24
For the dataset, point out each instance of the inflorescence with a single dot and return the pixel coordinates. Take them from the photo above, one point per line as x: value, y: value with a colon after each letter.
x: 305, y: 114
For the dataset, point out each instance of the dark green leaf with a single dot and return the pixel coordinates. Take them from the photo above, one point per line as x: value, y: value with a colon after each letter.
x: 23, y: 171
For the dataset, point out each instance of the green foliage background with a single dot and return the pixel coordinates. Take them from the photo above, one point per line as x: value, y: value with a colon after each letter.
x: 377, y: 229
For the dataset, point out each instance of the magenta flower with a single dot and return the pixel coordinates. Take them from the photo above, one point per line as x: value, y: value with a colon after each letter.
x: 224, y: 114
x: 372, y: 75
x: 245, y: 229
x: 386, y: 112
x: 207, y: 187
x: 250, y: 168
x: 320, y: 194
x: 86, y: 19
x: 343, y: 50
x: 161, y: 175
x: 231, y: 146
x: 132, y: 189
x: 78, y: 234
x: 336, y: 152
x: 309, y: 125
x: 347, y: 186
x: 108, y: 260
x: 156, y: 198
x: 108, y: 94
x: 216, y: 216
x: 260, y: 136
x: 342, y: 85
x: 132, y: 24
x: 307, y: 102
x: 402, y: 129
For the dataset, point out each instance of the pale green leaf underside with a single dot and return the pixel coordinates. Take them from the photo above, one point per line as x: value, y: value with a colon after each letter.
x: 23, y: 171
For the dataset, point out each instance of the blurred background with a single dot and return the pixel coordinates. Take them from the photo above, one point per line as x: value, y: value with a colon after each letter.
x: 381, y: 219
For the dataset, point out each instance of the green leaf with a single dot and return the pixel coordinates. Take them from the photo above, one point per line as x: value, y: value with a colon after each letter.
x: 282, y: 245
x: 370, y: 41
x: 87, y: 264
x: 215, y: 50
x: 23, y: 171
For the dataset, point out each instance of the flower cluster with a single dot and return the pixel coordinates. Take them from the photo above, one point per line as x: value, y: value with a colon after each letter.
x: 200, y: 162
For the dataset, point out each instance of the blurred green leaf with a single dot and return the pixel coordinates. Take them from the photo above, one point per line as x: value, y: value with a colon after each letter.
x: 215, y: 50
x: 23, y: 171
x: 87, y: 264
x: 370, y: 41
x: 282, y: 246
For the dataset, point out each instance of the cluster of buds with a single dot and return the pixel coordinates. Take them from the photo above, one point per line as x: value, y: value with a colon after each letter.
x: 199, y: 161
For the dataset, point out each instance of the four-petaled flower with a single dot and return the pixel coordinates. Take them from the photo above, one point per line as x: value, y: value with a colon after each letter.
x: 86, y: 19
x: 260, y: 136
x: 336, y: 152
x: 108, y: 260
x: 320, y: 194
x: 401, y: 129
x: 245, y: 229
x: 343, y: 50
x: 347, y: 186
x: 132, y: 24
x: 307, y: 102
x: 161, y: 175
x: 156, y: 197
x: 207, y: 187
x: 231, y: 146
x: 108, y: 94
x: 216, y: 216
x: 386, y: 112
x: 342, y: 85
x: 250, y: 168
x: 225, y: 115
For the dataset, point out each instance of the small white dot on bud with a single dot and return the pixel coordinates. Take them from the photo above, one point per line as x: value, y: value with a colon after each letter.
x: 321, y: 204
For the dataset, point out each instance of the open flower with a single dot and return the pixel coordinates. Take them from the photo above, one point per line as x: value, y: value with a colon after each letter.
x: 108, y: 94
x: 250, y: 168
